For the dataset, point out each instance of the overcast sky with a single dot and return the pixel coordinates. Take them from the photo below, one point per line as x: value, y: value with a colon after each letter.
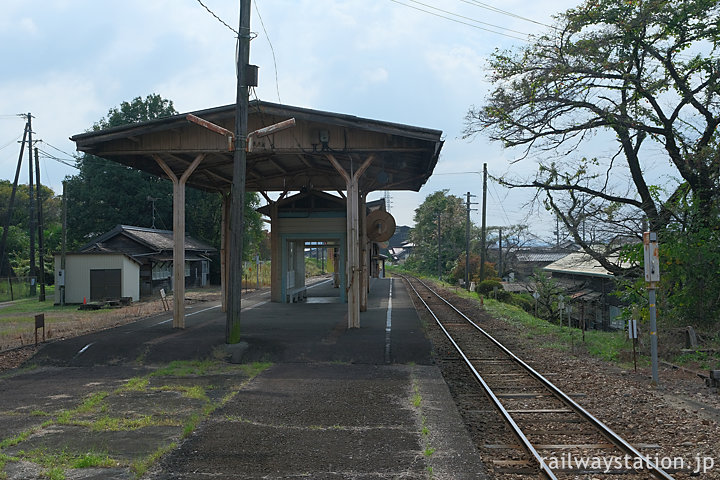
x: 69, y: 61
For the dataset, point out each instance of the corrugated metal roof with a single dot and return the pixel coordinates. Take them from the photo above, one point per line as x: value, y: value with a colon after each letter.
x: 540, y: 256
x: 579, y: 263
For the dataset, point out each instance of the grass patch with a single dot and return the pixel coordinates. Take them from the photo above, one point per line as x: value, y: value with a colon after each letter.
x: 93, y: 460
x: 195, y: 392
x: 12, y: 441
x: 701, y: 360
x: 92, y: 403
x: 187, y: 368
x: 59, y: 462
x: 54, y: 473
x: 600, y: 344
x: 140, y: 467
x: 115, y: 424
x: 137, y: 384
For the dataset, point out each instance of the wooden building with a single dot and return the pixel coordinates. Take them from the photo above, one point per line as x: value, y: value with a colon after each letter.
x: 149, y: 249
x: 589, y: 289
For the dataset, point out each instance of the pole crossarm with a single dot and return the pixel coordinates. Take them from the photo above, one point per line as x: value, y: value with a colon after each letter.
x: 213, y: 128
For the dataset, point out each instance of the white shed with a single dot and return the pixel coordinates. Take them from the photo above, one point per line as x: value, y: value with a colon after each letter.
x: 97, y: 276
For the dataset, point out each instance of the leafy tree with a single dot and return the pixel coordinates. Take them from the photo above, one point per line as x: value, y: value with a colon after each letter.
x: 639, y: 75
x: 644, y: 72
x: 548, y: 296
x: 458, y: 272
x: 18, y: 242
x: 451, y: 212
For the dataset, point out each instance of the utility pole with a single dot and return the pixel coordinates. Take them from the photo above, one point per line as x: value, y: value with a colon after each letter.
x: 237, y: 219
x: 438, y: 240
x: 652, y: 277
x: 40, y: 227
x: 482, y: 230
x: 500, y: 253
x: 63, y: 250
x: 3, y: 242
x: 33, y: 271
x: 467, y: 243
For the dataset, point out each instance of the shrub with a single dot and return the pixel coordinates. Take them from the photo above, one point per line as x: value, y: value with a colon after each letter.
x: 486, y: 287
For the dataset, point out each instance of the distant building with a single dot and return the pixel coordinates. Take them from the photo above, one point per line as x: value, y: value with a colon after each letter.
x: 132, y: 262
x: 589, y: 288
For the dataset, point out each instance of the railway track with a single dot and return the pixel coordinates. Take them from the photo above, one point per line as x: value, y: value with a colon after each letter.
x: 556, y: 437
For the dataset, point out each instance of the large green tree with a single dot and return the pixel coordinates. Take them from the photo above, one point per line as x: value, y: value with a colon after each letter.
x: 637, y: 80
x: 449, y: 211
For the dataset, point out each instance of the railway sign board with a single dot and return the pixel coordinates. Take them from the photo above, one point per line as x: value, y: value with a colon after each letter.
x: 652, y: 259
x: 632, y: 329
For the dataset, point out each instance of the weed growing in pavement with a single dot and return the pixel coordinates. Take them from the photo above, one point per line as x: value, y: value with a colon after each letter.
x: 425, y: 430
x: 85, y: 415
x: 54, y: 473
x: 20, y: 437
x: 136, y: 384
x: 195, y: 392
x: 417, y: 398
x: 94, y: 402
x: 191, y: 425
x: 187, y: 368
x: 139, y: 467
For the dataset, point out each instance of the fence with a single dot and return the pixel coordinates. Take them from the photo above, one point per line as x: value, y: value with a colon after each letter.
x: 14, y: 288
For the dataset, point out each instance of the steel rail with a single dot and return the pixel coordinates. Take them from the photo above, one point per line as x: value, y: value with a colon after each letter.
x: 606, y: 431
x: 544, y: 468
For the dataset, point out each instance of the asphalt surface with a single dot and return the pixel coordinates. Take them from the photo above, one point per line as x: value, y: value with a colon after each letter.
x: 327, y: 402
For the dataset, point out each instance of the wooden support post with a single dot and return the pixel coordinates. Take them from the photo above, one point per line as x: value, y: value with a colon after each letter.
x: 276, y: 274
x: 179, y: 236
x: 224, y: 250
x: 364, y: 275
x: 353, y: 267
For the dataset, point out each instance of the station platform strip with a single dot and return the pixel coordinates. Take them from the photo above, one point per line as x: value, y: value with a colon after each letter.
x: 365, y: 403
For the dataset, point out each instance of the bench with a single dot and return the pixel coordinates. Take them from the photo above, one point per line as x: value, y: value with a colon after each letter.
x: 296, y: 294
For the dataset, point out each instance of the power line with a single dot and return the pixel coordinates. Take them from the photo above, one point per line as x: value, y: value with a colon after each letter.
x: 237, y: 34
x: 11, y: 142
x: 56, y: 148
x: 460, y: 21
x: 57, y: 159
x: 503, y: 12
x: 465, y: 18
x: 277, y: 84
x: 502, y: 207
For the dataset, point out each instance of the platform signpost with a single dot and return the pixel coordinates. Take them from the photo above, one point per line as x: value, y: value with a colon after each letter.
x: 652, y: 276
x: 633, y: 334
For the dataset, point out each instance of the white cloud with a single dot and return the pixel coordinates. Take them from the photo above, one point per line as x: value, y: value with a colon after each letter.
x: 28, y: 26
x: 376, y: 75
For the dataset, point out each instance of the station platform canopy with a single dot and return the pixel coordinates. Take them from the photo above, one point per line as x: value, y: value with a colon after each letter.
x: 288, y: 149
x: 293, y: 159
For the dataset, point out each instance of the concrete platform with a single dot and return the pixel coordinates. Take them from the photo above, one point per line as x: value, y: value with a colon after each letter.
x: 365, y: 403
